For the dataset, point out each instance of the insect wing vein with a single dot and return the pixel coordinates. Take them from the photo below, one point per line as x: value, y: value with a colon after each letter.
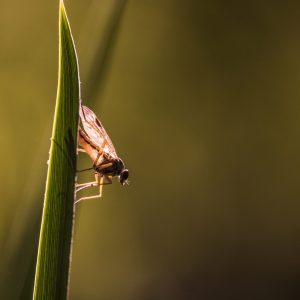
x: 96, y: 132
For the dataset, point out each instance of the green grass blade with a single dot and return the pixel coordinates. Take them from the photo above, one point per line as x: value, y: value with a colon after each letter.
x: 53, y: 261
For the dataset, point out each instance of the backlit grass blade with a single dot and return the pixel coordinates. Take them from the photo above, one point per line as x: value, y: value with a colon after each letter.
x: 53, y: 261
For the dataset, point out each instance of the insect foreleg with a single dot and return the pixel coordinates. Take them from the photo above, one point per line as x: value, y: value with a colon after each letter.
x: 78, y: 171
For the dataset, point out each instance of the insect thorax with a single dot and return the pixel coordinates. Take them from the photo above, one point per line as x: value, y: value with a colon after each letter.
x: 114, y: 167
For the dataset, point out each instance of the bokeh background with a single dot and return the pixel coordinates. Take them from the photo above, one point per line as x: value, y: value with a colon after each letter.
x: 201, y: 99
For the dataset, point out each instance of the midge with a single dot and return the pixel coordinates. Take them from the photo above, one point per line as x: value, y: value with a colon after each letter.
x: 95, y: 141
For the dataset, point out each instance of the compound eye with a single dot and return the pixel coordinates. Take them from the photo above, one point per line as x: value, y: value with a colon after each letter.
x: 124, y: 176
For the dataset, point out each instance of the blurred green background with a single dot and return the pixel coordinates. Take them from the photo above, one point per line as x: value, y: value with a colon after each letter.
x: 201, y: 100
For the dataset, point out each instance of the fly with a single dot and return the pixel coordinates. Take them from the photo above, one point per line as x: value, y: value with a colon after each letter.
x: 95, y: 142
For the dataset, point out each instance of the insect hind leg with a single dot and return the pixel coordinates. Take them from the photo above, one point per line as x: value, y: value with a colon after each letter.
x: 98, y: 182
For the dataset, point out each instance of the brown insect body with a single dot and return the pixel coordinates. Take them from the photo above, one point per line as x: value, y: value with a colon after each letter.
x: 97, y: 144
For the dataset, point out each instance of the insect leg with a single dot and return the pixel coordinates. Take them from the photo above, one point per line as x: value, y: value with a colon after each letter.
x: 108, y: 178
x: 83, y: 186
x: 100, y: 183
x: 87, y: 169
x: 81, y: 150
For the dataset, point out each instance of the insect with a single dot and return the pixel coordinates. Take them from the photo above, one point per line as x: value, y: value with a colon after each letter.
x: 94, y: 140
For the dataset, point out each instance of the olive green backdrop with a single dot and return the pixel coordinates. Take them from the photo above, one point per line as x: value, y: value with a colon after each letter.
x: 201, y: 99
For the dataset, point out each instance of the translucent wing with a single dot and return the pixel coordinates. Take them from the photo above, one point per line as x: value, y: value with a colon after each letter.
x: 96, y: 132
